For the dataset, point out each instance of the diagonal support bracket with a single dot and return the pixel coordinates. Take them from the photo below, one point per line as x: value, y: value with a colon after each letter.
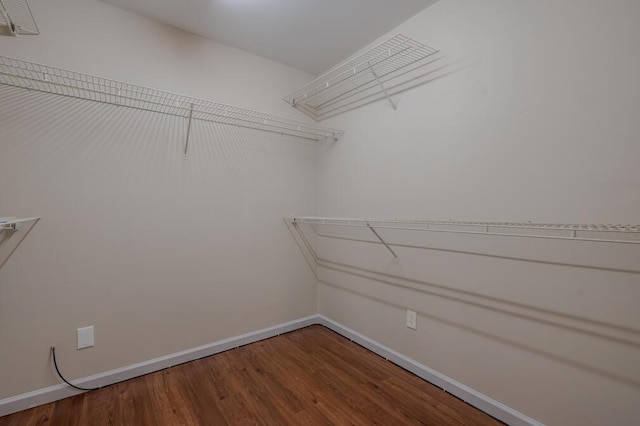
x: 384, y: 89
x: 18, y: 17
x: 186, y: 145
x: 13, y: 29
x: 395, y: 256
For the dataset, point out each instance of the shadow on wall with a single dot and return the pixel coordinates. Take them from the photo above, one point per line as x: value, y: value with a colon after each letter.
x: 564, y: 331
x: 497, y: 338
x: 64, y: 158
x: 10, y: 240
x: 66, y: 141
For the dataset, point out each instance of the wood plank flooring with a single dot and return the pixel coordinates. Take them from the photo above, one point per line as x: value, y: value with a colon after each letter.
x: 311, y: 376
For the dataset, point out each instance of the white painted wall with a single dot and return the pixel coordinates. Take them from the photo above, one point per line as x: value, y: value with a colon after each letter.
x: 158, y: 253
x: 537, y: 120
x: 535, y: 116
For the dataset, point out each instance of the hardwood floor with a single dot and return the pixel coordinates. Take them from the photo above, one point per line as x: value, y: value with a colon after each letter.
x: 311, y: 376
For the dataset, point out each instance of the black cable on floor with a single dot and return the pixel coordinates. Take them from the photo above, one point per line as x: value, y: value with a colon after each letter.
x: 55, y: 364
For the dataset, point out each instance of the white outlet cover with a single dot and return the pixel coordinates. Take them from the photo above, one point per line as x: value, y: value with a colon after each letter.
x: 412, y: 319
x: 85, y: 337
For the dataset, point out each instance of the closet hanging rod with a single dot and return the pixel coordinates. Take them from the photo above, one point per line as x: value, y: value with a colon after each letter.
x: 629, y: 234
x: 42, y: 78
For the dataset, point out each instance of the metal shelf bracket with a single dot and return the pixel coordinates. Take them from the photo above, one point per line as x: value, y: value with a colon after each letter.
x: 186, y: 145
x: 18, y: 18
x: 384, y: 89
x: 395, y: 256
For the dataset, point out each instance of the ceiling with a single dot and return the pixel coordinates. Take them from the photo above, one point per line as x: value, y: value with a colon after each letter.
x: 311, y: 35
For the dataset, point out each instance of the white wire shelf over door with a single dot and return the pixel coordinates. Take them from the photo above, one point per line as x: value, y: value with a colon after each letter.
x: 42, y: 78
x: 585, y: 232
x: 369, y: 70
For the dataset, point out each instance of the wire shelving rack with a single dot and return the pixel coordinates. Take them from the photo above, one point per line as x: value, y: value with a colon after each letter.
x: 585, y: 232
x: 12, y: 223
x: 42, y: 78
x: 369, y: 70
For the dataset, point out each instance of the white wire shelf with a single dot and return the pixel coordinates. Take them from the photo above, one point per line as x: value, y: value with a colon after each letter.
x: 367, y: 71
x: 17, y: 16
x: 42, y: 78
x: 584, y: 232
x: 12, y: 223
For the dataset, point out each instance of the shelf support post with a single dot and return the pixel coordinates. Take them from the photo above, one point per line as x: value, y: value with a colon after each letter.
x: 13, y: 29
x: 186, y: 145
x: 395, y: 256
x: 384, y: 89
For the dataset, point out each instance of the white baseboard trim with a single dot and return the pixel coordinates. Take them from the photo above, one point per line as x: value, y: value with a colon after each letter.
x: 61, y: 391
x: 474, y: 398
x: 465, y: 393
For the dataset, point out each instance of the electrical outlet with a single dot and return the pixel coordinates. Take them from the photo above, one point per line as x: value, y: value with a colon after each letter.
x: 412, y: 319
x: 85, y: 337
